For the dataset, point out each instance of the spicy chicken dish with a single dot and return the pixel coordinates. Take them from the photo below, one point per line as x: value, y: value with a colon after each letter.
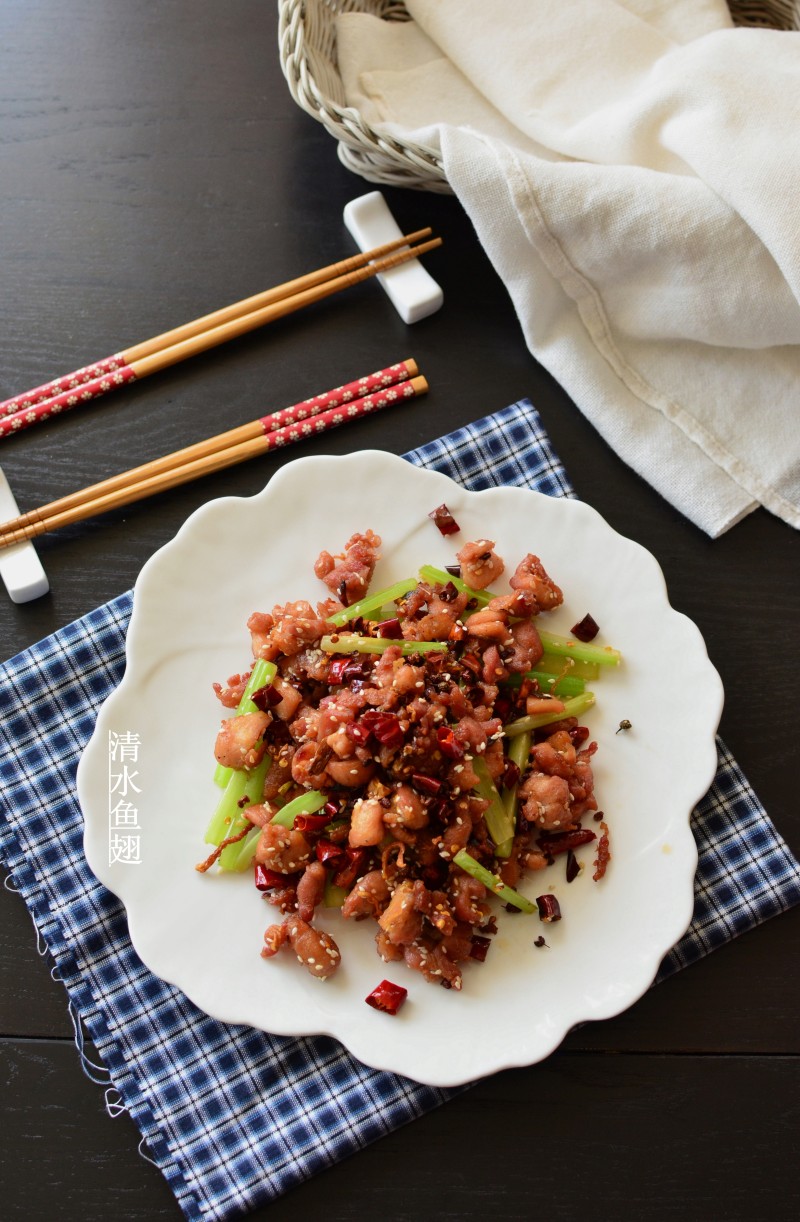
x: 410, y: 756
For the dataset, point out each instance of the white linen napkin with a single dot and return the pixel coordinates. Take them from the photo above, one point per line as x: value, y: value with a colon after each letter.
x: 632, y: 168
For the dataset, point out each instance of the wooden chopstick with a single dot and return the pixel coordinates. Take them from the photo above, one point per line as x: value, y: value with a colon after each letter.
x: 313, y: 416
x: 298, y: 414
x: 54, y: 398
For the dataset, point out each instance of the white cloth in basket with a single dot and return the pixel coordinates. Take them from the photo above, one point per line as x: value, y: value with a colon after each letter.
x: 632, y: 168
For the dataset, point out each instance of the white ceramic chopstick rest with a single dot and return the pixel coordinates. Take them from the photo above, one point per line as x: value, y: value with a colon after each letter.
x: 411, y: 290
x: 20, y: 566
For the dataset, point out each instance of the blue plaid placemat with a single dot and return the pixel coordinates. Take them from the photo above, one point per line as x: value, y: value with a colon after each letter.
x: 234, y: 1117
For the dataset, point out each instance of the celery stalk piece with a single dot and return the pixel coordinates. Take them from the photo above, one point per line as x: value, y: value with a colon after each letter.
x: 568, y: 647
x: 552, y: 683
x: 252, y: 793
x: 373, y: 602
x: 470, y: 866
x: 435, y: 576
x: 333, y: 897
x: 572, y: 708
x: 227, y: 809
x: 243, y: 790
x: 519, y: 750
x: 351, y: 642
x: 501, y: 828
x: 239, y: 860
x: 262, y: 673
x: 304, y: 804
x: 552, y: 664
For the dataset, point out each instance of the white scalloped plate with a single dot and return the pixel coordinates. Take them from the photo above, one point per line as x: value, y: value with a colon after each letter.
x: 203, y: 933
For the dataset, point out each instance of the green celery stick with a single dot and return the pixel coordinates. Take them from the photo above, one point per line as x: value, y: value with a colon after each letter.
x: 333, y: 897
x: 304, y: 804
x: 501, y: 828
x: 351, y: 642
x: 566, y: 685
x: 572, y: 708
x: 470, y: 866
x: 261, y: 674
x: 519, y: 750
x: 568, y: 647
x: 551, y: 664
x: 373, y: 602
x: 253, y: 793
x: 227, y: 809
x: 243, y: 789
x: 239, y: 861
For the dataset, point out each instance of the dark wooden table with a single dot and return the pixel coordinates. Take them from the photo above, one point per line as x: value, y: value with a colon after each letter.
x: 154, y: 167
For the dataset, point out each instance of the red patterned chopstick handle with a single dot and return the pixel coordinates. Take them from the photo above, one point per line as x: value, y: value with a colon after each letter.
x: 343, y: 413
x: 64, y: 393
x: 341, y: 396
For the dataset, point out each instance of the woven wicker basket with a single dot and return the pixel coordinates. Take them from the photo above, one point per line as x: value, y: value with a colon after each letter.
x: 308, y: 59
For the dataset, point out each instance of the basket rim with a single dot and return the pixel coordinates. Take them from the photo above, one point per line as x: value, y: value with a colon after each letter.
x: 345, y: 123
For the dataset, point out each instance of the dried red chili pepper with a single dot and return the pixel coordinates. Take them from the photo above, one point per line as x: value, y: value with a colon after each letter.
x: 311, y: 823
x: 586, y: 629
x: 444, y: 520
x: 426, y: 784
x: 561, y: 842
x: 266, y: 879
x: 266, y: 697
x: 449, y: 744
x: 479, y: 948
x: 390, y: 629
x: 330, y: 854
x: 387, y: 997
x: 355, y: 863
x: 549, y: 908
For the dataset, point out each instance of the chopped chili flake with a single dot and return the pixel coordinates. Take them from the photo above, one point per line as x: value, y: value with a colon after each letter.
x: 511, y: 774
x: 330, y: 854
x: 355, y: 864
x: 266, y: 697
x: 266, y: 879
x: 357, y: 733
x: 388, y: 730
x: 449, y: 744
x: 553, y: 843
x: 443, y: 518
x: 573, y: 869
x: 549, y: 908
x: 390, y: 629
x: 479, y: 948
x: 311, y: 823
x: 586, y: 629
x: 387, y: 997
x: 426, y: 784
